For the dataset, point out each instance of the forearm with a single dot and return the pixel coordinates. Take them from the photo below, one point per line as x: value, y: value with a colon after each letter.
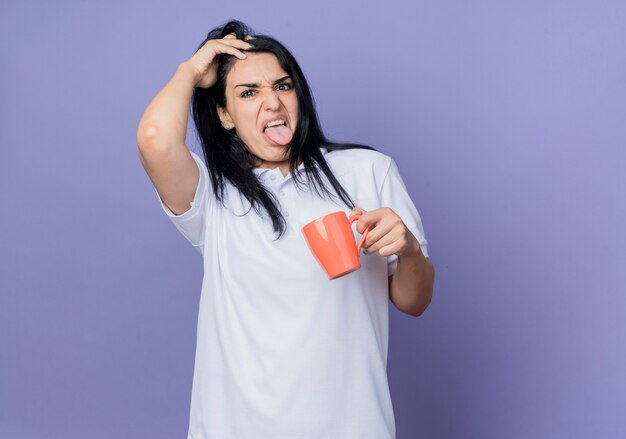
x: 411, y: 286
x: 164, y: 122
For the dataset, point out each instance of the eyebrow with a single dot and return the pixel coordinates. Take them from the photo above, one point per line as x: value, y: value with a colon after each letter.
x: 279, y: 80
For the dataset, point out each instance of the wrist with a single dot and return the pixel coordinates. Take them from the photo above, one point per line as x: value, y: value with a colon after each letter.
x: 189, y: 72
x: 415, y: 247
x: 413, y: 251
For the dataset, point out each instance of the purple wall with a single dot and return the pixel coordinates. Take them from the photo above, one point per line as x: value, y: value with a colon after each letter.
x: 507, y: 122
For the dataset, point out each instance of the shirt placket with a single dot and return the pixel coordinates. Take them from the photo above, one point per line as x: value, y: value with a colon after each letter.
x: 280, y: 187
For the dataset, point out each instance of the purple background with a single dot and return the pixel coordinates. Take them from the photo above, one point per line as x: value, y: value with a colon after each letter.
x: 507, y: 121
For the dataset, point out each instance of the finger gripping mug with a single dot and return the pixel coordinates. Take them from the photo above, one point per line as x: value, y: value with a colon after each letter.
x: 331, y: 241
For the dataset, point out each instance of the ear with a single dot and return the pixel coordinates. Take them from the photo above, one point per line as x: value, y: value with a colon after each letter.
x: 225, y: 118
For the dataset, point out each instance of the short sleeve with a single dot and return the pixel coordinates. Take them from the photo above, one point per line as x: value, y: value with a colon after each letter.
x: 192, y: 223
x: 393, y: 194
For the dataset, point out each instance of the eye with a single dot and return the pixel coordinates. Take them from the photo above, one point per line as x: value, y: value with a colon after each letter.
x: 285, y: 85
x: 246, y: 93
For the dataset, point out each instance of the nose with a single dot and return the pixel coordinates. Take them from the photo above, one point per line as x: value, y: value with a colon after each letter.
x: 271, y: 101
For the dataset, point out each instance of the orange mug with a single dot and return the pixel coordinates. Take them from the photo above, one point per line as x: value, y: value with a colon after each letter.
x: 331, y: 240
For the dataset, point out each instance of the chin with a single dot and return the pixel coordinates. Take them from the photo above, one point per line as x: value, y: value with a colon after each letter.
x: 277, y: 153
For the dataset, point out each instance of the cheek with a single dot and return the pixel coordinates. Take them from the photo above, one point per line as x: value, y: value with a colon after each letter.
x: 292, y: 107
x: 295, y: 114
x: 246, y: 117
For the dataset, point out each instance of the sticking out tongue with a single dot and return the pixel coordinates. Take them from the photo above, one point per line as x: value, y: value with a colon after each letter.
x: 279, y: 134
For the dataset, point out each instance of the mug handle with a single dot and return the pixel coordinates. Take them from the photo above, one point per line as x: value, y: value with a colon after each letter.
x: 354, y: 217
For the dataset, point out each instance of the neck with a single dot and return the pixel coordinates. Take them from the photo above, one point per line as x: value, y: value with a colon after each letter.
x: 284, y: 166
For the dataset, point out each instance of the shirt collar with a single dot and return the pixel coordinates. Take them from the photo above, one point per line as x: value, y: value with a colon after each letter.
x: 260, y: 171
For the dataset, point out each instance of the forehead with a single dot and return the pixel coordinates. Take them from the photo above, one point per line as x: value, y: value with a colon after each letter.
x: 260, y: 67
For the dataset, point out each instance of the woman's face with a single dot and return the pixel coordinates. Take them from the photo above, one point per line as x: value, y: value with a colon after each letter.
x: 258, y: 91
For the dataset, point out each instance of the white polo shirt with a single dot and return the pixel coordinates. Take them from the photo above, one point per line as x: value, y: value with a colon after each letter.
x: 282, y: 351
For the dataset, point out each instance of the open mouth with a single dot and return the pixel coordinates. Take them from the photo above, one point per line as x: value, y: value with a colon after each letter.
x: 278, y: 132
x: 275, y: 123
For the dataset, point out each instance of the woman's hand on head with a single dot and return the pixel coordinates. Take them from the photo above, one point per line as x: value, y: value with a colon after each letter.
x: 204, y: 61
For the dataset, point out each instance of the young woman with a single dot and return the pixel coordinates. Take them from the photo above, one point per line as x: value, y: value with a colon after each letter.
x: 282, y: 351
